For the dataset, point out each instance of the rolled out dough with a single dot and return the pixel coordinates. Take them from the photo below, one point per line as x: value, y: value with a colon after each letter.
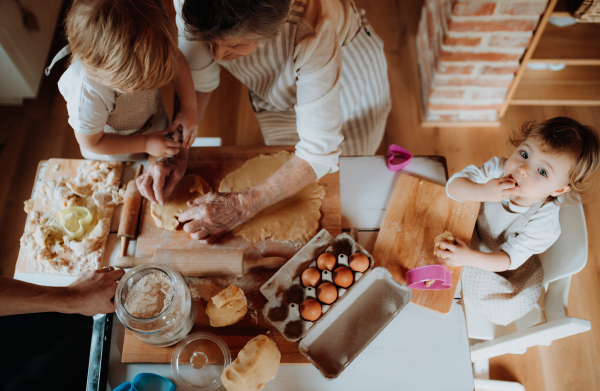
x: 446, y: 235
x: 294, y: 219
x: 189, y: 188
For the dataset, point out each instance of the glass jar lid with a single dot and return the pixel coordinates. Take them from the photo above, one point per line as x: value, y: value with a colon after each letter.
x: 198, y: 361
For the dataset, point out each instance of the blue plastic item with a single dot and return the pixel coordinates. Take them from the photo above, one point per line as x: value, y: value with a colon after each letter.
x: 147, y: 382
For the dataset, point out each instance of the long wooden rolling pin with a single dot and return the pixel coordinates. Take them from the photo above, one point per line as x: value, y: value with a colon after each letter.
x: 203, y: 262
x: 130, y: 213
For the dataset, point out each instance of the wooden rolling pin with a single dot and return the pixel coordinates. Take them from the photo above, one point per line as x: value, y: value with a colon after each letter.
x: 203, y: 262
x: 130, y: 213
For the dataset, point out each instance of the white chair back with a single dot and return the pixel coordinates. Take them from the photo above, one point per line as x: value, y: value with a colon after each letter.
x: 568, y: 255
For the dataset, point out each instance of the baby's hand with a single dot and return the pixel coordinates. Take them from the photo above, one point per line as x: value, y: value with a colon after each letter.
x: 455, y: 254
x: 157, y: 145
x: 498, y: 189
x: 188, y: 119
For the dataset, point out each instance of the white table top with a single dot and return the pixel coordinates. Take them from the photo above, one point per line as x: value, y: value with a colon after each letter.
x: 419, y: 350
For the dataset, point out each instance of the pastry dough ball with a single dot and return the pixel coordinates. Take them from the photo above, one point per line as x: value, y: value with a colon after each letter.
x: 446, y: 235
x: 228, y: 307
x: 255, y: 365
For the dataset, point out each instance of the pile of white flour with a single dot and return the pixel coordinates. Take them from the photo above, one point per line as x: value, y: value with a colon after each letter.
x: 149, y: 296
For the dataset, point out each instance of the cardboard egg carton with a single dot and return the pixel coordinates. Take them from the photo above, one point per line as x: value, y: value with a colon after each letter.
x: 326, y: 342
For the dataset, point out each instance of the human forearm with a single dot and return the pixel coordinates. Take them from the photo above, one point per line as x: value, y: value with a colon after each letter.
x: 202, y: 99
x: 495, y: 262
x: 112, y: 144
x: 285, y: 182
x: 183, y: 83
x: 19, y: 297
x: 466, y: 190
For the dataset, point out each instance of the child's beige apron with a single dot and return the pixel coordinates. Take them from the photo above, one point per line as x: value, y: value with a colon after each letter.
x: 506, y: 296
x: 139, y: 112
x: 270, y: 75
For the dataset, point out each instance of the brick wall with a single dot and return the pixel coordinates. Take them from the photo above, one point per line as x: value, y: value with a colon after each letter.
x: 468, y: 53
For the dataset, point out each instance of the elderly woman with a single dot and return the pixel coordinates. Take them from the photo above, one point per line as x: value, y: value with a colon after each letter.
x: 317, y: 77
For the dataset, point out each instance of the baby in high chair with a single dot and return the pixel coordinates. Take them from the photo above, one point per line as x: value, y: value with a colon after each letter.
x: 518, y: 219
x: 122, y: 52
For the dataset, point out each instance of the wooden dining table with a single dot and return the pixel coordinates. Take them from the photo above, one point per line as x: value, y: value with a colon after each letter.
x: 419, y: 350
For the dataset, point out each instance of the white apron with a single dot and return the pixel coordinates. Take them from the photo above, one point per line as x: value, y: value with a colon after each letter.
x: 506, y: 296
x: 270, y: 76
x: 139, y: 112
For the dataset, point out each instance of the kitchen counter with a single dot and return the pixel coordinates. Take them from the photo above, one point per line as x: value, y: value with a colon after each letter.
x: 419, y: 350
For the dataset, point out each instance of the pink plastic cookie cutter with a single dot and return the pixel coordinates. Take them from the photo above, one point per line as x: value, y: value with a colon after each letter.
x: 421, y: 277
x: 398, y: 158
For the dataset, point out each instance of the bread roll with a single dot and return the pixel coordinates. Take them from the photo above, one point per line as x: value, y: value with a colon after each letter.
x: 255, y: 365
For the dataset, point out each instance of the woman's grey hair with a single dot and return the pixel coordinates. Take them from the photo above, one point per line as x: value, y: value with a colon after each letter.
x: 260, y: 20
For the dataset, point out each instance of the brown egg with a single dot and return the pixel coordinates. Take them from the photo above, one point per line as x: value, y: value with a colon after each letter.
x: 311, y: 277
x: 327, y: 293
x: 359, y: 262
x: 326, y: 261
x: 310, y: 310
x: 342, y: 276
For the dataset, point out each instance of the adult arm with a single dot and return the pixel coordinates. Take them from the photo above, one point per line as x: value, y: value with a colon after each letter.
x: 90, y: 294
x: 160, y: 178
x: 187, y: 117
x: 215, y: 214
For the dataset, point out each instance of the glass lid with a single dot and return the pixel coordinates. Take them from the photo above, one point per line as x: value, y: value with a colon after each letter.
x: 198, y: 361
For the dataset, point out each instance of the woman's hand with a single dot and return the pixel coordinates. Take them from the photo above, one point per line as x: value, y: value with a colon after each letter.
x: 456, y: 254
x: 93, y: 292
x: 161, y: 177
x: 159, y: 146
x: 215, y: 214
x: 188, y: 119
x: 495, y: 190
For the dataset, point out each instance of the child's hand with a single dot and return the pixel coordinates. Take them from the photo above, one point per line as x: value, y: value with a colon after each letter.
x: 498, y: 189
x: 455, y: 254
x: 157, y: 145
x: 188, y: 119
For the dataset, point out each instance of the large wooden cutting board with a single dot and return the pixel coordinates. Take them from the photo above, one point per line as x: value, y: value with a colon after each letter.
x: 213, y: 164
x: 51, y: 170
x: 419, y: 211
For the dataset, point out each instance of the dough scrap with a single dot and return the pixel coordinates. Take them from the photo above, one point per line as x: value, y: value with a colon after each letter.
x: 294, y: 219
x: 446, y: 235
x: 189, y: 188
x: 255, y: 365
x: 228, y: 307
x: 44, y: 243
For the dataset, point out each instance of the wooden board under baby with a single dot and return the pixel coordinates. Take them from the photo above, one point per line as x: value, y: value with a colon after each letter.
x: 49, y: 170
x: 419, y: 211
x: 213, y: 164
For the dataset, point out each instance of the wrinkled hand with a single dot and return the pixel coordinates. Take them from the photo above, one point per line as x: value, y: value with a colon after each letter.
x: 188, y: 119
x: 159, y: 146
x: 455, y: 254
x: 213, y: 215
x: 93, y: 291
x: 161, y: 177
x: 495, y: 190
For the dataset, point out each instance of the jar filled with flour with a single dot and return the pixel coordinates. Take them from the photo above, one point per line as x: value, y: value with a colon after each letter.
x: 155, y: 303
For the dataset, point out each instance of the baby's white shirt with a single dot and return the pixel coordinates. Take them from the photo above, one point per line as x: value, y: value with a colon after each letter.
x: 539, y: 234
x: 89, y: 103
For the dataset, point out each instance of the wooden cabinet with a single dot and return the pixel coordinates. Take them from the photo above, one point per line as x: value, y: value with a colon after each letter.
x: 23, y: 52
x: 577, y: 47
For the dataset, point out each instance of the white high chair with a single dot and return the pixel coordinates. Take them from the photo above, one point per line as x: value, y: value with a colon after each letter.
x: 549, y: 320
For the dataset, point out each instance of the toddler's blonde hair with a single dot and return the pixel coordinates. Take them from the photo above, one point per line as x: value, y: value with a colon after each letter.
x: 129, y: 45
x: 562, y: 135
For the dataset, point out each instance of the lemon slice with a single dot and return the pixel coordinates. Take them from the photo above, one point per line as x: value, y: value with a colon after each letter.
x: 74, y: 220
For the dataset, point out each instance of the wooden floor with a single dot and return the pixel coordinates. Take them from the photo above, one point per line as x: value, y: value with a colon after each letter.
x: 38, y: 130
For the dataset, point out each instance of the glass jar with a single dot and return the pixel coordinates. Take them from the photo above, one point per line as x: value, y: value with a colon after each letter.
x: 173, y: 323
